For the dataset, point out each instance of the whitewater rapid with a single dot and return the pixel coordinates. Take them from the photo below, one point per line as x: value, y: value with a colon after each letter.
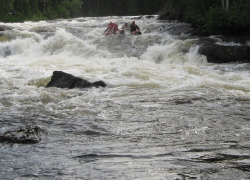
x: 154, y: 59
x: 164, y: 114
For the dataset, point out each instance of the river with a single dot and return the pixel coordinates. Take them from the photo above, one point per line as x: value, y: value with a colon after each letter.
x: 165, y: 114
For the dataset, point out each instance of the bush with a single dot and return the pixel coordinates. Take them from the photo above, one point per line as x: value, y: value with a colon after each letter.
x: 13, y: 18
x: 216, y: 20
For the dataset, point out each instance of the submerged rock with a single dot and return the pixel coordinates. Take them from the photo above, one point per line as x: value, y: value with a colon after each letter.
x: 225, y: 54
x: 64, y: 80
x: 29, y: 134
x: 4, y: 28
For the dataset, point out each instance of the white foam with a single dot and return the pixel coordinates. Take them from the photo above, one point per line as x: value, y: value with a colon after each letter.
x: 154, y: 60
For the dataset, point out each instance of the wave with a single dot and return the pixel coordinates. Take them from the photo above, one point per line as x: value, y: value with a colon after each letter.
x: 155, y: 59
x: 156, y: 47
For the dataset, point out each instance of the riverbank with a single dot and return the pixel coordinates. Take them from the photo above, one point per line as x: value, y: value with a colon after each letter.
x: 210, y: 22
x: 239, y: 37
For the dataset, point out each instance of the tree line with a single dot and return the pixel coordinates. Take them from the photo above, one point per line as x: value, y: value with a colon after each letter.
x: 215, y: 16
x: 21, y: 10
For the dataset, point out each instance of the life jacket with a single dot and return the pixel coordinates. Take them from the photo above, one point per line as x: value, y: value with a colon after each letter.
x: 113, y: 27
x: 134, y: 27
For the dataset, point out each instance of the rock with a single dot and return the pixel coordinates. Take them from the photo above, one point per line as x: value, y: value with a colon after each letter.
x: 22, y: 140
x: 149, y: 16
x: 227, y: 31
x: 4, y: 28
x: 225, y: 54
x: 64, y: 80
x: 29, y: 134
x: 199, y: 32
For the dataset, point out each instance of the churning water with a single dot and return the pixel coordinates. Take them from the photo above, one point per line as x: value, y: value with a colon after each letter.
x: 165, y: 114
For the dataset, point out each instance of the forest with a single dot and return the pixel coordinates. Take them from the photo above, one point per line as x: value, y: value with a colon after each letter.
x: 21, y: 10
x: 213, y: 15
x: 230, y: 17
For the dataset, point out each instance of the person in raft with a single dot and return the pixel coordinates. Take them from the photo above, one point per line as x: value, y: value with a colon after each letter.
x: 111, y: 29
x: 126, y: 27
x: 134, y: 29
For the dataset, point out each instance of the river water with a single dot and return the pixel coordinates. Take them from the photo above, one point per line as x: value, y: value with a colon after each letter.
x: 165, y: 114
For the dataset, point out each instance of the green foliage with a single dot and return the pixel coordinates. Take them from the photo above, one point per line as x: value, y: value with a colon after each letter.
x: 216, y: 20
x: 194, y: 13
x: 72, y: 7
x: 13, y: 18
x: 210, y: 15
x: 232, y: 21
x: 52, y: 9
x: 39, y: 9
x: 38, y: 17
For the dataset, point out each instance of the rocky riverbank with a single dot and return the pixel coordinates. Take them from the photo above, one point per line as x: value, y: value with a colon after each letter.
x: 215, y: 53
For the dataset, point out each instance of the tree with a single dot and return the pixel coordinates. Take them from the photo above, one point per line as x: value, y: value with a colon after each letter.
x: 225, y: 4
x: 73, y: 7
x: 5, y: 7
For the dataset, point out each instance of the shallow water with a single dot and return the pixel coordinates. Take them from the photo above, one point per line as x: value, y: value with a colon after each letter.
x: 165, y: 114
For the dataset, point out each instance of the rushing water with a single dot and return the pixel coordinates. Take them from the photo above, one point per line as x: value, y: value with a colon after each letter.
x: 165, y: 114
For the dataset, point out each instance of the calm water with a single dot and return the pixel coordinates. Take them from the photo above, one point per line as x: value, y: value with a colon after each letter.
x: 165, y: 114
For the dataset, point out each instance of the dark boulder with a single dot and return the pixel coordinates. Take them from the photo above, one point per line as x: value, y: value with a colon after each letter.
x: 225, y: 54
x: 226, y: 31
x: 4, y: 28
x: 64, y: 80
x: 29, y: 134
x: 199, y: 32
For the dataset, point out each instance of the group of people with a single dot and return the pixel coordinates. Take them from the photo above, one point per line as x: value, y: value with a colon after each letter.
x: 113, y: 28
